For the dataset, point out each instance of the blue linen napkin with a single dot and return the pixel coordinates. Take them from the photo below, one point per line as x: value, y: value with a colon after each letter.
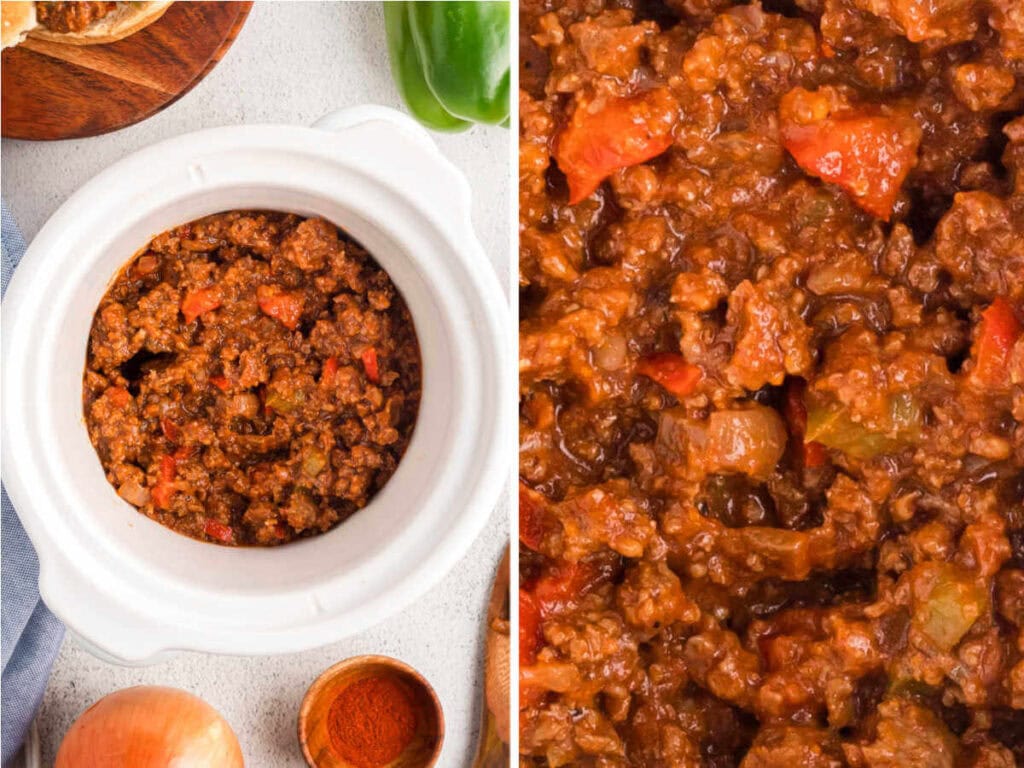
x: 31, y: 635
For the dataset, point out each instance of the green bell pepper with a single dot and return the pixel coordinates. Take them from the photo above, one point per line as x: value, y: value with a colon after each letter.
x: 450, y: 60
x: 830, y: 424
x: 408, y: 72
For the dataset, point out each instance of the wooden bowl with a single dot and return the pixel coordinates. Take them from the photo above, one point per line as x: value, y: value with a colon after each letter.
x: 422, y: 751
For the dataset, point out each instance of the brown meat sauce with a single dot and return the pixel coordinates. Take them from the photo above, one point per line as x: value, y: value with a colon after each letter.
x: 252, y: 378
x: 71, y: 17
x: 772, y: 383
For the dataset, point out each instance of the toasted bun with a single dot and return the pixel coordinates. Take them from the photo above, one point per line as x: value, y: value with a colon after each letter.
x: 19, y: 18
x: 126, y: 20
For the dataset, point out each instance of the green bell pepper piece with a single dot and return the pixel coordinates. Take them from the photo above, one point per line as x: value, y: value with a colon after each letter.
x: 464, y: 49
x: 407, y: 70
x: 830, y: 424
x: 947, y: 609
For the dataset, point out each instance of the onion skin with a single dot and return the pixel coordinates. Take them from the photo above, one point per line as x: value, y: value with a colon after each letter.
x: 150, y: 727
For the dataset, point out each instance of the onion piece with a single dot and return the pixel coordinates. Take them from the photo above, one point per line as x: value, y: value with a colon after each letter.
x: 134, y: 493
x: 150, y: 727
x: 749, y: 441
x: 610, y: 354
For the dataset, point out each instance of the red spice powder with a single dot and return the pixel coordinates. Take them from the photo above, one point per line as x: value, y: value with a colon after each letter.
x: 372, y: 721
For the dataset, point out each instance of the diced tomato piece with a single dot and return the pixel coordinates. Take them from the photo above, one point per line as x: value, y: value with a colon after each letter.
x: 603, y: 137
x: 812, y: 454
x: 329, y: 372
x: 161, y: 494
x: 219, y: 531
x: 171, y: 430
x: 868, y: 156
x: 564, y: 583
x: 530, y: 637
x: 119, y: 396
x: 168, y: 469
x: 815, y: 455
x: 164, y: 489
x: 221, y: 383
x: 200, y: 301
x: 369, y: 358
x: 794, y: 407
x: 999, y: 331
x: 532, y: 517
x: 284, y: 307
x: 672, y: 372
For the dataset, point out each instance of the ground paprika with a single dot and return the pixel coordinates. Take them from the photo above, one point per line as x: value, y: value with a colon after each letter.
x: 372, y: 721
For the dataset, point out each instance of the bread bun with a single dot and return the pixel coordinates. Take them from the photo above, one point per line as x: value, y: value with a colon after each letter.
x: 126, y: 19
x: 18, y: 19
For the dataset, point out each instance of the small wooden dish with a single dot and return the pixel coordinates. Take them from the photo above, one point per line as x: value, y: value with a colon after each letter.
x: 425, y: 747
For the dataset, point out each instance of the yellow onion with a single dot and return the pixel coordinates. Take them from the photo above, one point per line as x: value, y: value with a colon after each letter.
x: 150, y: 727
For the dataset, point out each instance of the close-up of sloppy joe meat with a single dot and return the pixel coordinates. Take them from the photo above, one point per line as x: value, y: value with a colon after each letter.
x: 772, y: 384
x: 252, y: 378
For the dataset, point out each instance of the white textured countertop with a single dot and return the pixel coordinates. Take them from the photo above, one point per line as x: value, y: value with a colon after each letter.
x: 292, y: 63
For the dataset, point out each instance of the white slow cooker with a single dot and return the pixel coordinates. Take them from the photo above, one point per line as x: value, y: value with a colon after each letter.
x: 134, y: 590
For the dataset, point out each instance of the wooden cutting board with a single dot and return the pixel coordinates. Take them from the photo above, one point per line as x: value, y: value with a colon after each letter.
x: 60, y: 91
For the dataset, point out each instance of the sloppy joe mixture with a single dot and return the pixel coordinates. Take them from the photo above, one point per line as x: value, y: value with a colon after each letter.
x: 772, y: 383
x: 71, y: 16
x: 252, y: 378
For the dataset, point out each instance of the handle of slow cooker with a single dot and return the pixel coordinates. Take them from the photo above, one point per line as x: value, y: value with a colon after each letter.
x: 91, y: 611
x: 443, y: 193
x: 347, y: 117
